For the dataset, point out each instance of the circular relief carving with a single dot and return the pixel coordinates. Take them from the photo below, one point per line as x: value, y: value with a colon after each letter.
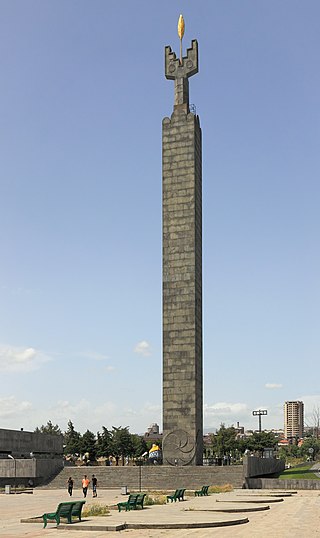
x: 189, y: 64
x: 172, y: 68
x: 179, y: 447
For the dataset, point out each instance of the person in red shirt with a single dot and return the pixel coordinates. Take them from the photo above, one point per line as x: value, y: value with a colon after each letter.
x: 85, y: 485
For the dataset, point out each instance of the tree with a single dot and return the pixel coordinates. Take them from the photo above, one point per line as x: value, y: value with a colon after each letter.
x: 261, y: 440
x: 104, y: 443
x: 49, y: 428
x: 72, y: 440
x: 224, y: 441
x: 88, y: 444
x: 310, y: 448
x: 122, y: 442
x: 139, y: 446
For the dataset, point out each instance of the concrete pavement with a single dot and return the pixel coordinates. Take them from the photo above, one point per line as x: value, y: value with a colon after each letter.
x: 297, y: 515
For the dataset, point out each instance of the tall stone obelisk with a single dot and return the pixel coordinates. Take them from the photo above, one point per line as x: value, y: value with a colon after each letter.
x: 182, y: 268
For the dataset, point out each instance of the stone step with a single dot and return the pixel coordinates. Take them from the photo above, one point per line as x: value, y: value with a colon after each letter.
x: 151, y: 477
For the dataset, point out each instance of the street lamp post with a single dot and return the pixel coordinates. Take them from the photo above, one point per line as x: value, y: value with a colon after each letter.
x: 15, y: 470
x: 259, y: 413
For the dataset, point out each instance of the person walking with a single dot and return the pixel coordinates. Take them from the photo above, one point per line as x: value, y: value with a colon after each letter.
x: 85, y: 485
x: 94, y: 483
x: 70, y: 485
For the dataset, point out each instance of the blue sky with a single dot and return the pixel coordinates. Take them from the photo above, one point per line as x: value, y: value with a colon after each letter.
x: 82, y: 97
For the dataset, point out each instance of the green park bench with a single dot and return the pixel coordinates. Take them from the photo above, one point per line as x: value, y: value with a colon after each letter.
x: 66, y: 510
x: 202, y: 491
x: 134, y: 501
x: 178, y: 495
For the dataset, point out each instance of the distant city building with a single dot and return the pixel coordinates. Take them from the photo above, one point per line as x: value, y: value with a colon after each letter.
x: 277, y: 432
x: 293, y: 419
x: 153, y: 429
x: 239, y: 431
x: 153, y: 433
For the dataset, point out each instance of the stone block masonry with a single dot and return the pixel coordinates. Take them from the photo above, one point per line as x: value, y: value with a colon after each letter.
x: 182, y: 278
x: 152, y: 477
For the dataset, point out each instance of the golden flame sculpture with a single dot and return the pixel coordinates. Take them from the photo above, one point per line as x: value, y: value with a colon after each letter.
x: 181, y: 28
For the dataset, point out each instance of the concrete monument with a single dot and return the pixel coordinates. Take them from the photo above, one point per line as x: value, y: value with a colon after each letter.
x: 182, y: 267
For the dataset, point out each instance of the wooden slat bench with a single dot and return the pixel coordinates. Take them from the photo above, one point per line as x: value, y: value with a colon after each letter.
x: 202, y: 491
x: 134, y: 501
x: 66, y: 510
x: 178, y: 495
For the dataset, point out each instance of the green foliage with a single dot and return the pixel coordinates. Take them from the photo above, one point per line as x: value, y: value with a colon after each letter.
x: 88, y: 444
x: 116, y: 442
x: 72, y: 440
x: 104, y: 443
x: 224, y: 441
x: 122, y: 442
x: 49, y: 428
x: 309, y: 449
x: 262, y: 440
x: 139, y: 445
x: 309, y: 444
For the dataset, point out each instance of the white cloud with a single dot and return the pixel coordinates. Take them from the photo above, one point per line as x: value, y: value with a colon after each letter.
x: 98, y: 357
x: 146, y: 409
x: 224, y: 412
x: 85, y: 415
x: 225, y: 408
x: 64, y: 408
x: 143, y: 348
x: 93, y: 355
x: 12, y: 408
x: 273, y: 386
x: 16, y: 359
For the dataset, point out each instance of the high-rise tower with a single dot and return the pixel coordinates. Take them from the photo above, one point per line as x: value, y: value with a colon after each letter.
x: 182, y: 269
x: 293, y: 419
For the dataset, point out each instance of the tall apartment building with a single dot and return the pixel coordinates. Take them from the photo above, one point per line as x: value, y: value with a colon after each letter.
x: 293, y: 419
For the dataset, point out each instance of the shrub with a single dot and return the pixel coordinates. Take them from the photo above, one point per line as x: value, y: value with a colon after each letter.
x: 149, y: 500
x: 221, y: 489
x: 95, y: 510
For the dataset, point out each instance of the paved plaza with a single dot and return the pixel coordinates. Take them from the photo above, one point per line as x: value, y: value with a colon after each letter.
x: 295, y: 516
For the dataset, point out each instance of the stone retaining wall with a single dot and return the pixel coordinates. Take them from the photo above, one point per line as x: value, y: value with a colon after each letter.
x: 258, y: 467
x: 21, y: 471
x: 153, y: 477
x: 274, y: 483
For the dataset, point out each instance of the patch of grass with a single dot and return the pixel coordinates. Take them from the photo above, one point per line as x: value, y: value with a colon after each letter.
x: 303, y: 472
x: 221, y: 489
x: 152, y: 491
x: 150, y: 500
x: 95, y: 510
x: 294, y: 462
